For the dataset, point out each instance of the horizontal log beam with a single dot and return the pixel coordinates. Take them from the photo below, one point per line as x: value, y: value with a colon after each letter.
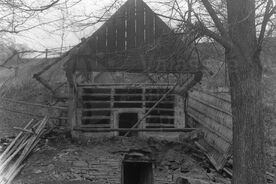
x: 87, y: 129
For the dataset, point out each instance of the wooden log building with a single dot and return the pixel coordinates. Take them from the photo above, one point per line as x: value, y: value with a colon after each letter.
x: 133, y: 77
x: 111, y: 77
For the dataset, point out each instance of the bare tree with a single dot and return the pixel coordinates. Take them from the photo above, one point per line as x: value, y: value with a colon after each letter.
x: 18, y: 15
x: 240, y: 27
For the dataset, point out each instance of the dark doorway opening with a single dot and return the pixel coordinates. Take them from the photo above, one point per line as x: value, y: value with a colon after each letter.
x: 137, y: 173
x: 127, y: 120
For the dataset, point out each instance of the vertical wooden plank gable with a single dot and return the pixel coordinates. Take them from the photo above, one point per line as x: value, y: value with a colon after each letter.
x: 119, y: 42
x: 120, y: 28
x: 130, y: 24
x: 140, y: 23
x: 130, y: 27
x: 101, y: 33
x: 149, y: 25
x: 111, y: 36
x: 92, y: 45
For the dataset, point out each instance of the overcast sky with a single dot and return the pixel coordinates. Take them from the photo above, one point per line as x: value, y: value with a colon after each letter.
x: 50, y: 35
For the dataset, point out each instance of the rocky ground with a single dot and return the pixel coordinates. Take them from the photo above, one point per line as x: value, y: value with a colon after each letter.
x: 63, y: 161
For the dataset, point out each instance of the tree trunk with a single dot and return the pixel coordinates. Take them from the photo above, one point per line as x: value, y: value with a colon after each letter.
x: 248, y: 127
x: 245, y: 75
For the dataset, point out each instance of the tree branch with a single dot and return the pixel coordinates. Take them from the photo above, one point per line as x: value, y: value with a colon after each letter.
x: 215, y: 18
x: 267, y: 16
x: 203, y: 30
x: 33, y: 9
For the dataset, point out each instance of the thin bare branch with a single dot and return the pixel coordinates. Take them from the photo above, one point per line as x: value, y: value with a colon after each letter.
x: 269, y: 11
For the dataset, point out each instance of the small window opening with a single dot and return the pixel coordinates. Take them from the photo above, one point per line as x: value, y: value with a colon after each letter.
x: 127, y: 120
x: 137, y: 173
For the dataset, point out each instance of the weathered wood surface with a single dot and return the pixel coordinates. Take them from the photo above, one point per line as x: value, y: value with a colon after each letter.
x: 212, y: 111
x: 88, y: 129
x: 133, y: 39
x: 97, y: 104
x: 11, y: 161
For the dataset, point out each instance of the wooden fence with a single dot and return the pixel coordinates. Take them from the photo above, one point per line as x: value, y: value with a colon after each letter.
x: 212, y: 112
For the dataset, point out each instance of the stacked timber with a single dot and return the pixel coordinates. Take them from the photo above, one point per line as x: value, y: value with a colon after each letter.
x: 12, y: 159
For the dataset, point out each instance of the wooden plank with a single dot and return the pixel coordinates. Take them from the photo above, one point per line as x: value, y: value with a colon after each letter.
x: 111, y: 37
x: 96, y: 102
x: 161, y: 109
x: 158, y: 28
x: 211, y: 106
x: 96, y: 94
x: 31, y: 143
x: 6, y: 162
x: 222, y: 131
x: 161, y: 117
x: 149, y: 25
x: 108, y: 109
x: 216, y: 142
x: 95, y: 117
x: 213, y: 113
x: 199, y: 92
x: 24, y: 130
x: 158, y: 95
x: 15, y: 140
x: 96, y: 90
x: 218, y: 159
x: 159, y: 125
x: 101, y: 34
x: 218, y: 116
x: 212, y: 100
x: 96, y: 109
x: 151, y: 85
x: 127, y: 102
x: 11, y: 177
x: 131, y: 24
x: 92, y: 45
x: 140, y: 23
x: 86, y: 129
x: 120, y: 27
x: 27, y: 147
x: 162, y: 102
x: 95, y: 126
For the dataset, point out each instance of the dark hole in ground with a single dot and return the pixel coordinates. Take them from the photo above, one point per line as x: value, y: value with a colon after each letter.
x: 137, y: 173
x: 127, y: 120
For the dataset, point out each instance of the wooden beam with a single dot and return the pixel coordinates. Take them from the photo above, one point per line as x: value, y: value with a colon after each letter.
x: 165, y: 85
x: 87, y: 129
x: 24, y: 130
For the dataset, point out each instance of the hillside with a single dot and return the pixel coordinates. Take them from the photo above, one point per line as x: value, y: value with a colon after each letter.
x: 17, y: 83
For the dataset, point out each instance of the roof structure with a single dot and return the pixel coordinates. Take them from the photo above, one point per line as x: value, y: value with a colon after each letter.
x: 134, y: 39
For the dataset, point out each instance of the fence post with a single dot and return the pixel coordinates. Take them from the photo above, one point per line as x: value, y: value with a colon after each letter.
x: 46, y: 53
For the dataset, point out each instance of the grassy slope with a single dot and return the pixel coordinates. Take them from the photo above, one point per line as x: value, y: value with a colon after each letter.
x: 20, y: 85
